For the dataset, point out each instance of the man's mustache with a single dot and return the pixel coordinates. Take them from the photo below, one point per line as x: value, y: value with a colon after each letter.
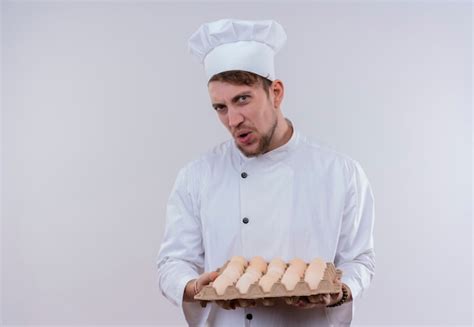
x: 242, y: 130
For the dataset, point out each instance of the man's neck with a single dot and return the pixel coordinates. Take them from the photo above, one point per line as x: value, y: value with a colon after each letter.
x: 283, y: 134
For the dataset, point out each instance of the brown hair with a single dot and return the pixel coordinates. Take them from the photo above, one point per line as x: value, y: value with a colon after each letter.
x: 241, y: 77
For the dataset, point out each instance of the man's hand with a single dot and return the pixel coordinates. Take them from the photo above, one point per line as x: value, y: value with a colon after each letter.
x: 320, y: 300
x: 194, y: 286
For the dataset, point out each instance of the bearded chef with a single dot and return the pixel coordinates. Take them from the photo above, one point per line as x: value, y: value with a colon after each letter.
x: 268, y: 191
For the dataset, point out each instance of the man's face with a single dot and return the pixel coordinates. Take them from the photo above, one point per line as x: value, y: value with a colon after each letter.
x: 247, y: 112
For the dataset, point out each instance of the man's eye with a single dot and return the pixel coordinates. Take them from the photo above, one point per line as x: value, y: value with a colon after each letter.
x: 243, y: 98
x: 219, y: 108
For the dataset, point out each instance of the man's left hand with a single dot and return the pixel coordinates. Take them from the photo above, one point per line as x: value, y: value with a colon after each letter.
x: 322, y: 300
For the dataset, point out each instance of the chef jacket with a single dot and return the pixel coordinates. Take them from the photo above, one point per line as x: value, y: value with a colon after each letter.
x: 299, y: 200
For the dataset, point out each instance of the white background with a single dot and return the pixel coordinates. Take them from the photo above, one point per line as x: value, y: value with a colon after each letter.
x: 102, y: 104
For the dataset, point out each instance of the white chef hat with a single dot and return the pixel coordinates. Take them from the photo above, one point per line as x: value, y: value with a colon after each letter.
x: 232, y: 44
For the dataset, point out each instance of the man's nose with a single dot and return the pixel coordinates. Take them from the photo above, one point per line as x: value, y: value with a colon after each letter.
x: 234, y: 117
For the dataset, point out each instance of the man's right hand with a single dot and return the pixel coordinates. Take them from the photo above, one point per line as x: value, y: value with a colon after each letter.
x: 194, y: 286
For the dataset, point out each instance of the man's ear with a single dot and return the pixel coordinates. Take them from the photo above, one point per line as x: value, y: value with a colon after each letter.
x: 278, y: 91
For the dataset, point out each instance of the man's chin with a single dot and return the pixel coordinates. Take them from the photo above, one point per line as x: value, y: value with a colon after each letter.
x: 249, y: 151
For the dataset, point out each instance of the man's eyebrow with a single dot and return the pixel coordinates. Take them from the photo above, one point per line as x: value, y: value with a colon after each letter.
x: 235, y: 98
x: 216, y: 104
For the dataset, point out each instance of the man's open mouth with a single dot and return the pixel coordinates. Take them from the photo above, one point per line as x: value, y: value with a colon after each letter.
x: 244, y: 137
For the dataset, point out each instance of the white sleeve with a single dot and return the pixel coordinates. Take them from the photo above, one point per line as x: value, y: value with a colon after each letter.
x: 355, y: 254
x: 181, y: 256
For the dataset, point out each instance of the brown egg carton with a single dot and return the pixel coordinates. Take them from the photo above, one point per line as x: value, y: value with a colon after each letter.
x: 327, y: 285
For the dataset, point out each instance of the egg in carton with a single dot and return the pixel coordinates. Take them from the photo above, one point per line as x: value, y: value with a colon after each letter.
x: 256, y: 282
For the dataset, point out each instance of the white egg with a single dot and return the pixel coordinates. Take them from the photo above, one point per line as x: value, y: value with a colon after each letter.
x: 290, y: 279
x: 233, y: 273
x: 221, y: 283
x: 259, y: 263
x: 244, y: 283
x: 239, y: 259
x: 266, y: 282
x: 315, y: 273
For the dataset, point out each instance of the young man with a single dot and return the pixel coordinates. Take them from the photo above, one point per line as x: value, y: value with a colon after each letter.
x: 268, y: 191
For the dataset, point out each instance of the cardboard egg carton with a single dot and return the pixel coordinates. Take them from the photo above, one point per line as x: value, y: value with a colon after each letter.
x: 256, y: 294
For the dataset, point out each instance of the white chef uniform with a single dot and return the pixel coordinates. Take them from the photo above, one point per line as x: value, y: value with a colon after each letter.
x: 300, y: 200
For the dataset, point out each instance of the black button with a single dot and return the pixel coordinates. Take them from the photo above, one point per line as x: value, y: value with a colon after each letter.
x: 244, y: 175
x: 245, y: 220
x: 249, y: 316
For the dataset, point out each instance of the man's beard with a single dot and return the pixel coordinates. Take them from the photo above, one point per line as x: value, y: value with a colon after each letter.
x: 263, y: 142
